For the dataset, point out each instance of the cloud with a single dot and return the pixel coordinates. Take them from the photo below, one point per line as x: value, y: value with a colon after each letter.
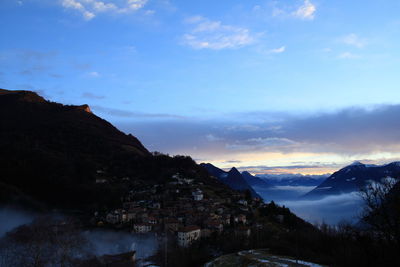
x: 131, y: 114
x: 259, y: 143
x: 29, y: 63
x: 331, y: 209
x: 92, y: 96
x: 94, y: 74
x: 336, y: 137
x: 91, y: 8
x: 305, y: 11
x: 208, y: 34
x: 353, y: 40
x: 277, y: 50
x: 348, y: 55
x: 213, y: 138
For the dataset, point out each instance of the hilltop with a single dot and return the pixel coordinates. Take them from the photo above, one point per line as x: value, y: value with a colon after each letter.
x: 64, y: 156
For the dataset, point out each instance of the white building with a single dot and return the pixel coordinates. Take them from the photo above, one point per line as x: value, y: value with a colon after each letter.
x: 242, y: 202
x: 188, y: 234
x: 198, y: 195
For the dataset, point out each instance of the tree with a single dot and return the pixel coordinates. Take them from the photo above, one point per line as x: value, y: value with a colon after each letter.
x: 45, y: 242
x: 382, y: 209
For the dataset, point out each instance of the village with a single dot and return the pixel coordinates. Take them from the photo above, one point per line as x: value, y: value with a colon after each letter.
x: 183, y: 208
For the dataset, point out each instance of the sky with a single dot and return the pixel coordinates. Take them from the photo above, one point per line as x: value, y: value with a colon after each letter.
x: 271, y: 86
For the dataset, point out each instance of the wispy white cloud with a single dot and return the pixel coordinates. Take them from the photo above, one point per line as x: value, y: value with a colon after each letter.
x: 348, y: 55
x: 208, y: 34
x: 94, y: 74
x: 213, y: 138
x: 353, y: 40
x: 277, y: 50
x: 305, y: 11
x: 92, y: 96
x: 259, y: 143
x: 90, y: 8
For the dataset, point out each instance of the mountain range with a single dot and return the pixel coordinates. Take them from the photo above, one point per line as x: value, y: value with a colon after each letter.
x: 234, y: 179
x: 292, y: 179
x: 354, y: 177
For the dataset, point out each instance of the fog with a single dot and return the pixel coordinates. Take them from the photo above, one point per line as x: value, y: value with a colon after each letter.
x: 283, y: 193
x: 331, y: 209
x: 12, y: 218
x: 101, y: 241
x: 112, y: 242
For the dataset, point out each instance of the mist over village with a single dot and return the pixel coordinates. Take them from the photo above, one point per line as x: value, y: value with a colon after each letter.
x: 169, y: 133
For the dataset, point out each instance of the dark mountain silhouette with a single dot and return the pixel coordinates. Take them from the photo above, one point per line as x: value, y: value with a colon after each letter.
x: 354, y: 177
x: 55, y: 153
x: 233, y: 178
x: 255, y: 181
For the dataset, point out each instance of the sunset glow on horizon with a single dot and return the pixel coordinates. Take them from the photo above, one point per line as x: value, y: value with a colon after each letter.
x: 272, y: 86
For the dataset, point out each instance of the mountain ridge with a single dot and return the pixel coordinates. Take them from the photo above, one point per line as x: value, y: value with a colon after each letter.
x: 64, y: 156
x: 353, y: 177
x: 233, y: 178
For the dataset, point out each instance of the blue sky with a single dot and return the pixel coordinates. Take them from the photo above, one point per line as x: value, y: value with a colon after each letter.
x: 231, y: 82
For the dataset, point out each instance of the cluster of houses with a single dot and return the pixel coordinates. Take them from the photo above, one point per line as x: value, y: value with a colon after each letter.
x: 181, y: 207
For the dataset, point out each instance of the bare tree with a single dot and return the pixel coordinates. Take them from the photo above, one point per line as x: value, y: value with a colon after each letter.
x: 45, y: 242
x: 381, y: 212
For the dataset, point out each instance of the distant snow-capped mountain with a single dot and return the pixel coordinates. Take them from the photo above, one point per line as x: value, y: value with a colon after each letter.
x: 292, y: 179
x: 354, y: 177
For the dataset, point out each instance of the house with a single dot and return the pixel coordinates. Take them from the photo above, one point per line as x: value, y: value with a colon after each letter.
x: 188, y: 235
x: 188, y: 181
x: 152, y: 220
x: 215, y: 225
x: 241, y: 218
x: 242, y: 202
x: 101, y: 180
x: 171, y: 224
x: 142, y: 227
x: 197, y: 195
x: 226, y: 219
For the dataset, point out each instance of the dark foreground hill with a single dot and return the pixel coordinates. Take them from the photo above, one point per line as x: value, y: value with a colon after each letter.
x: 65, y: 156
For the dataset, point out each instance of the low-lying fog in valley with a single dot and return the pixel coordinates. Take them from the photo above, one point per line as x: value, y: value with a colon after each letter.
x: 11, y: 218
x: 330, y: 209
x: 102, y: 242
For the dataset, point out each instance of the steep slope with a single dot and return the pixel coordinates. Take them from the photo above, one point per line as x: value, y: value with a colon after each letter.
x: 354, y: 177
x: 66, y: 157
x: 255, y: 181
x: 233, y: 178
x: 58, y: 127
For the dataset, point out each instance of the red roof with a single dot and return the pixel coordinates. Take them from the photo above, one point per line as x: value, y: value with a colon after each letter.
x: 189, y: 228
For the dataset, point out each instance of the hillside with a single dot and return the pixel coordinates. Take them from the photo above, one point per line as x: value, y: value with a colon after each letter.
x: 65, y: 156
